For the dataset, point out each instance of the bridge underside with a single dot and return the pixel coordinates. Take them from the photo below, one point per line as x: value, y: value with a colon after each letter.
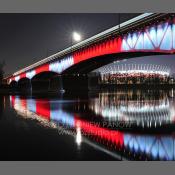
x: 74, y: 78
x: 89, y: 65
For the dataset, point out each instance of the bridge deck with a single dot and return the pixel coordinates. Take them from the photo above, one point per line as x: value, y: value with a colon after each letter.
x: 91, y: 40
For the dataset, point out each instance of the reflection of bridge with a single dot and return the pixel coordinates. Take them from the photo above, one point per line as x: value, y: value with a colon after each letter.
x: 139, y: 146
x: 143, y: 35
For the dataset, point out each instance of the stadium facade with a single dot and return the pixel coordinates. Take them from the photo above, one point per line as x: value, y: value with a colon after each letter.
x: 115, y: 73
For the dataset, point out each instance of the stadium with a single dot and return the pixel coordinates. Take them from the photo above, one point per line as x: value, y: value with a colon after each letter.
x: 115, y: 73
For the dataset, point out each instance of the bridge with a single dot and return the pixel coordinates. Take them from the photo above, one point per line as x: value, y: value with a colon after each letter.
x: 146, y: 34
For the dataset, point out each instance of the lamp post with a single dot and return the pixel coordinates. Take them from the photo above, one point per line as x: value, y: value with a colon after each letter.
x: 76, y: 37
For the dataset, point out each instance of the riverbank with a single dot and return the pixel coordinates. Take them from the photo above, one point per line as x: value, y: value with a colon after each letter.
x: 6, y: 90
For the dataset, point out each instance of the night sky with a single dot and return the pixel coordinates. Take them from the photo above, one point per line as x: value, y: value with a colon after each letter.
x: 27, y: 38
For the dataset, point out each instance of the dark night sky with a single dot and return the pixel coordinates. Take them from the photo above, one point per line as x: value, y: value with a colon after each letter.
x: 27, y: 38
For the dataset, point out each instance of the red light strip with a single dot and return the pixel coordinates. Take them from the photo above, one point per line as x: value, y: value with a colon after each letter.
x: 114, y: 137
x: 107, y: 47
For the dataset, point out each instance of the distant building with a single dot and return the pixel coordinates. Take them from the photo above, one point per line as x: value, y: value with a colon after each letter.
x: 134, y: 74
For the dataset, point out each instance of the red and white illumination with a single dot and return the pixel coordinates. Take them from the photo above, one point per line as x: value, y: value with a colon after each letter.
x: 155, y: 38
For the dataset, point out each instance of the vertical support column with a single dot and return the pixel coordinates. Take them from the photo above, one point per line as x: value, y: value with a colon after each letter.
x: 49, y: 87
x: 17, y: 87
x: 61, y: 89
x: 94, y: 81
x: 30, y: 86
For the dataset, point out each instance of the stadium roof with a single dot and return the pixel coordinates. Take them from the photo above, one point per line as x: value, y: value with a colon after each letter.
x: 115, y: 68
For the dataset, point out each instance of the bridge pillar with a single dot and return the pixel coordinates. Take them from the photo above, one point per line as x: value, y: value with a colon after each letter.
x: 75, y: 82
x: 25, y: 86
x: 30, y: 86
x: 40, y: 86
x: 56, y: 84
x: 94, y: 81
x: 13, y: 87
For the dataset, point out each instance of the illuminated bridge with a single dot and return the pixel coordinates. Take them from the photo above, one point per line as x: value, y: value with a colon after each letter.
x: 146, y: 34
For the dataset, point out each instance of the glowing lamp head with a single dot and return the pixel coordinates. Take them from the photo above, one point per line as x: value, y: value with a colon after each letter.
x: 76, y: 36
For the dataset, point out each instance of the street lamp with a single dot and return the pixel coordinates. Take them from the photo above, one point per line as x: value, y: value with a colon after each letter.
x: 76, y: 37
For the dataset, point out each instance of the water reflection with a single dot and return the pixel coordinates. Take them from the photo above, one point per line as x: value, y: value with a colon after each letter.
x: 116, y: 106
x: 146, y: 109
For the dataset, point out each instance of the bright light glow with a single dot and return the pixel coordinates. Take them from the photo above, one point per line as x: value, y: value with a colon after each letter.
x: 76, y: 36
x: 78, y: 136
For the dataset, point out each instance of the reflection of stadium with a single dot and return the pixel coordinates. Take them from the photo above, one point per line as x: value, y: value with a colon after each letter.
x: 146, y: 112
x: 133, y: 74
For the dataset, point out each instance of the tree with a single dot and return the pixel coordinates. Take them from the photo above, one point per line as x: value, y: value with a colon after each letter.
x: 2, y: 64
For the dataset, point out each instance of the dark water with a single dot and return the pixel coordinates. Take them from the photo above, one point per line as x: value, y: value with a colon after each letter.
x: 120, y: 125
